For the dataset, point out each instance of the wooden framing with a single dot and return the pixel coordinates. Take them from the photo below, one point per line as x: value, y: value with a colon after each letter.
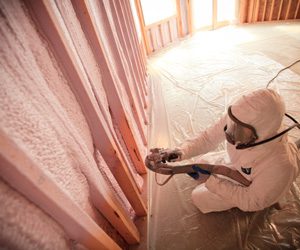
x: 142, y: 22
x: 161, y: 33
x: 129, y: 9
x: 271, y: 11
x: 149, y: 31
x: 190, y: 16
x: 163, y: 21
x: 23, y: 174
x: 256, y: 10
x: 297, y: 9
x: 243, y: 11
x: 126, y: 7
x: 170, y: 31
x: 264, y: 11
x: 138, y: 47
x: 127, y: 22
x: 214, y: 15
x: 288, y: 10
x: 149, y: 35
x: 103, y: 136
x: 127, y: 13
x: 102, y: 41
x: 250, y: 11
x: 159, y: 25
x: 179, y: 18
x: 131, y: 81
x: 280, y: 9
x: 217, y: 24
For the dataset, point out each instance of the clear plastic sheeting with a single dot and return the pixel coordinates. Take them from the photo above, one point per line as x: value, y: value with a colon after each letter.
x: 192, y: 85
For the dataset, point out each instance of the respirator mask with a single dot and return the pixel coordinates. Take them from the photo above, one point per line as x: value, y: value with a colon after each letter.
x: 244, y: 135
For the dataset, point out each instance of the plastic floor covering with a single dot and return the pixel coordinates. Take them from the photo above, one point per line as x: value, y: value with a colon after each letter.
x: 192, y: 84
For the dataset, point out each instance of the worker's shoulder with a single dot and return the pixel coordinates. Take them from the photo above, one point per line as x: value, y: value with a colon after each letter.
x: 281, y: 161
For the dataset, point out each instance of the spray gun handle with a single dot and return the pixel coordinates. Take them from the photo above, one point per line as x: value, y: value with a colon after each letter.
x: 172, y: 156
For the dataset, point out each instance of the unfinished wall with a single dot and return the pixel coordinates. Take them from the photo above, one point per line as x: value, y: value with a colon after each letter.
x: 268, y: 10
x: 73, y: 99
x: 164, y: 32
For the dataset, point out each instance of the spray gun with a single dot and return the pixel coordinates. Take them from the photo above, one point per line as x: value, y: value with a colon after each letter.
x: 157, y: 162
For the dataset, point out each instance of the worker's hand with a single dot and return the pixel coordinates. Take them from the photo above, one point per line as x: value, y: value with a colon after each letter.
x: 173, y: 155
x: 164, y: 155
x: 199, y: 174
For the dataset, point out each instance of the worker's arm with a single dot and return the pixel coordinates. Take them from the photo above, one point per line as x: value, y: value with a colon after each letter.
x: 206, y: 141
x: 263, y: 192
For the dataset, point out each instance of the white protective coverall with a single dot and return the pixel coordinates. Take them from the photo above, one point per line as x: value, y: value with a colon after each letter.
x: 272, y: 167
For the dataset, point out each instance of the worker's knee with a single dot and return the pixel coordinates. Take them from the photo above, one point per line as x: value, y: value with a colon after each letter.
x: 207, y: 201
x: 199, y: 198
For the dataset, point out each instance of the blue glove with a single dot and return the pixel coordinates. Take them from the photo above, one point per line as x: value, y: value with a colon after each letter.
x: 196, y: 175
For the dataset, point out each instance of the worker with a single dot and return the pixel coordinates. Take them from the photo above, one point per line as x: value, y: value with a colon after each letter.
x: 254, y: 147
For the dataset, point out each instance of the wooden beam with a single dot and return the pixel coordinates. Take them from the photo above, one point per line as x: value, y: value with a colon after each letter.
x: 138, y: 45
x: 151, y: 40
x: 144, y: 60
x: 250, y: 11
x: 271, y: 11
x: 161, y: 35
x: 28, y: 178
x: 288, y: 10
x: 139, y: 48
x: 102, y: 42
x: 190, y: 16
x: 163, y: 21
x: 179, y: 19
x: 103, y: 136
x: 170, y: 31
x: 280, y: 9
x: 124, y: 8
x: 214, y: 14
x: 127, y: 12
x: 264, y: 11
x: 130, y: 78
x: 143, y: 26
x: 297, y: 9
x: 256, y: 10
x: 243, y: 10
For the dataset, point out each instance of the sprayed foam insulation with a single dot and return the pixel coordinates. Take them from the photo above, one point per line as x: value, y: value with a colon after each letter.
x: 41, y: 114
x: 93, y: 71
x: 116, y: 67
x: 18, y: 215
x: 138, y: 179
x: 109, y: 178
x: 68, y: 16
x: 192, y: 85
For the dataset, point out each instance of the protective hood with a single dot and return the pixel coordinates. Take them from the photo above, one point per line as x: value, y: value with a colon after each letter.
x: 263, y: 109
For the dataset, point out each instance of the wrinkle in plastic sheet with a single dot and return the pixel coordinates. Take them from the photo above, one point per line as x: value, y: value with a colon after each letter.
x: 191, y: 88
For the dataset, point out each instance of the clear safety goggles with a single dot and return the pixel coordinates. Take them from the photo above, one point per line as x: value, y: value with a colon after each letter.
x: 237, y: 132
